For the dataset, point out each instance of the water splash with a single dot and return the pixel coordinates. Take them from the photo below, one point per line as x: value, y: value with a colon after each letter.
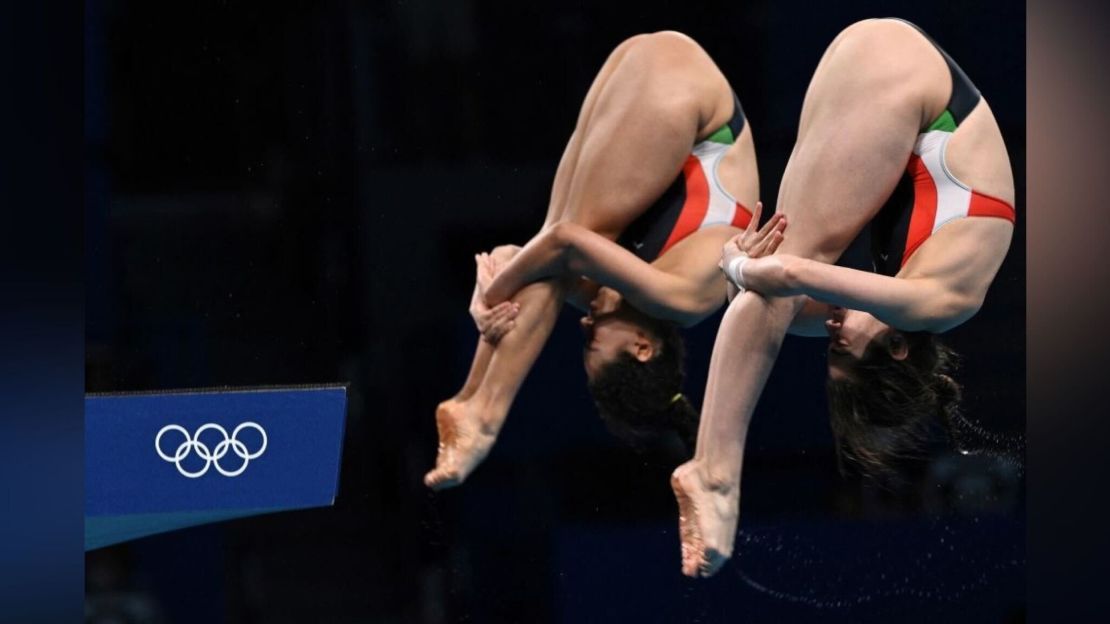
x: 972, y: 438
x: 944, y: 562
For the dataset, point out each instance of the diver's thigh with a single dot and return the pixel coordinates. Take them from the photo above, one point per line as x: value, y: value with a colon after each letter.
x: 662, y: 95
x: 556, y: 206
x: 862, y: 113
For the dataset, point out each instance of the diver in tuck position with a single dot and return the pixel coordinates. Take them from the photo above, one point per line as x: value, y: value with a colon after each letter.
x: 658, y: 174
x: 893, y: 137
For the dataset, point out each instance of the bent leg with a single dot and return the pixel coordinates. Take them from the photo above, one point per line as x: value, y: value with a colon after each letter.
x: 469, y: 423
x: 877, y: 85
x: 557, y: 202
x: 664, y: 95
x: 649, y: 104
x: 867, y: 100
x: 653, y: 98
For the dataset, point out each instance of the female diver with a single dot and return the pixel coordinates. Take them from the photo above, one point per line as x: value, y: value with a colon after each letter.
x: 655, y: 179
x: 889, y: 118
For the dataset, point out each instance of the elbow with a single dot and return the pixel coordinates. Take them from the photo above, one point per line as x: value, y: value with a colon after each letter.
x: 960, y: 308
x: 563, y: 235
x: 563, y: 241
x: 938, y: 313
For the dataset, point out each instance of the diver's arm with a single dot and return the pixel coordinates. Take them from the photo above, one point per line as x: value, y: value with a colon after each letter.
x: 908, y: 304
x: 810, y: 320
x: 566, y: 249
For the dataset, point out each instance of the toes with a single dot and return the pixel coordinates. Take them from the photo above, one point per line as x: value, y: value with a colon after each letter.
x: 693, y: 562
x: 441, y: 478
x: 712, y: 563
x: 432, y: 478
x: 690, y: 569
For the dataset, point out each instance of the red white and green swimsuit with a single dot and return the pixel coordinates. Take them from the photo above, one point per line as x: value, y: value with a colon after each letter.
x: 929, y: 196
x: 696, y: 200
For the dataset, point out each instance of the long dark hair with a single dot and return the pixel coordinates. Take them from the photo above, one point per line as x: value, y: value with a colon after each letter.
x: 885, y: 410
x: 642, y: 402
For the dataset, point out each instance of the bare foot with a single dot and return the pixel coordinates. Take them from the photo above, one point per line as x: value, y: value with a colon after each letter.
x: 707, y: 515
x: 463, y: 443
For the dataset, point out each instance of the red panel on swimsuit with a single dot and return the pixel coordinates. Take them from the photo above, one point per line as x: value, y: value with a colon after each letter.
x: 696, y: 205
x: 983, y: 205
x: 742, y: 217
x: 924, y: 206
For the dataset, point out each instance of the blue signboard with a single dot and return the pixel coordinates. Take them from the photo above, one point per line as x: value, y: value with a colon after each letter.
x: 161, y: 461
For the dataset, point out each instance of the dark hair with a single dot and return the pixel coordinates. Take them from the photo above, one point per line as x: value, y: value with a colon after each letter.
x: 886, y: 408
x: 641, y: 402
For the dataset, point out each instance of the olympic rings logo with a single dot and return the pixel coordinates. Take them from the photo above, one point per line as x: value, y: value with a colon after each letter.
x: 212, y: 456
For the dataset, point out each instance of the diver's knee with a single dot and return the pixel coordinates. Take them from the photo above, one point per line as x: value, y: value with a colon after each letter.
x: 663, y: 45
x: 876, y: 33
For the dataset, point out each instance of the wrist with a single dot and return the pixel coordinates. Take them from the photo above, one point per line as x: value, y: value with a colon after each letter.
x: 734, y: 271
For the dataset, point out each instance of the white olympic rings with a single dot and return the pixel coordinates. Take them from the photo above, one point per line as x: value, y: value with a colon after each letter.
x: 213, y: 456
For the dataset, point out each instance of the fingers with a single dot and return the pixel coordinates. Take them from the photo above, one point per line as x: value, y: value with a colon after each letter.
x: 498, y: 330
x: 756, y: 240
x: 495, y: 322
x: 484, y: 316
x: 481, y: 267
x: 491, y: 262
x: 768, y: 245
x: 486, y: 272
x: 769, y: 237
x: 774, y: 242
x: 507, y: 311
x: 777, y: 221
x: 754, y: 223
x: 492, y: 315
x: 487, y: 317
x: 500, y: 321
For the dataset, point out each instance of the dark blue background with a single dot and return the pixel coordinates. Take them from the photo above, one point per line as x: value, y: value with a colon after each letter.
x: 288, y: 195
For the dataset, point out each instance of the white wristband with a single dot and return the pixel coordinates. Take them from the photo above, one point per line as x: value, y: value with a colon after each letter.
x: 735, y: 271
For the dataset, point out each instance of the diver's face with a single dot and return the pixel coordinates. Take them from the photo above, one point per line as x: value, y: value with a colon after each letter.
x: 851, y: 332
x: 609, y: 332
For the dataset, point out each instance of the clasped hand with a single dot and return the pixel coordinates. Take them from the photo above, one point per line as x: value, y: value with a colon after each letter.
x: 493, y: 323
x: 754, y: 242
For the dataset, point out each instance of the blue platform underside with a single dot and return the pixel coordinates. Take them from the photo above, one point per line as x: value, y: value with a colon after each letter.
x: 135, y: 488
